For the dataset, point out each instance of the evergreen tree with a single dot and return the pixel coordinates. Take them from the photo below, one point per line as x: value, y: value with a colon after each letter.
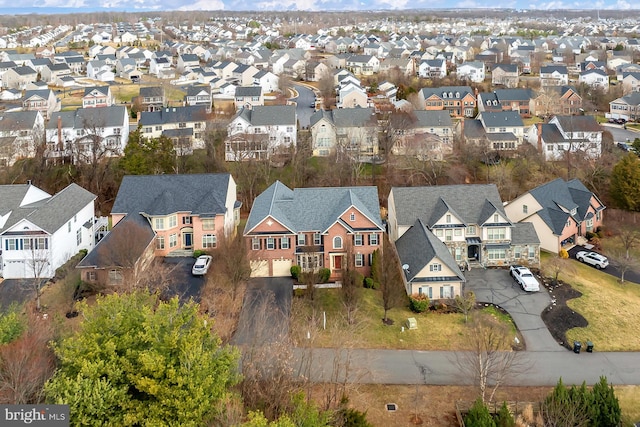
x: 479, y: 416
x: 504, y: 417
x: 625, y: 183
x: 608, y: 412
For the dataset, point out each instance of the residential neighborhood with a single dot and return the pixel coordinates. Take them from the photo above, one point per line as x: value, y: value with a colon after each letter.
x: 300, y: 200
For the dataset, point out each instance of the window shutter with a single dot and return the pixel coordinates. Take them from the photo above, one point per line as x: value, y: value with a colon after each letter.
x: 441, y: 291
x: 430, y: 292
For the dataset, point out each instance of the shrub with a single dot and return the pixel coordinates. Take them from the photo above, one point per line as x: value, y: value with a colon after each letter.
x: 504, y: 417
x: 418, y: 303
x: 324, y: 275
x: 295, y: 271
x: 299, y: 293
x: 563, y: 254
x: 478, y: 416
x: 589, y: 235
x: 369, y: 283
x: 198, y: 252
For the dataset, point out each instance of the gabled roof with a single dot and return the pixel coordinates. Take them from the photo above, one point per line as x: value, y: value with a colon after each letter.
x: 100, y: 256
x: 269, y: 115
x: 151, y: 91
x: 104, y: 90
x: 557, y: 196
x: 417, y: 247
x: 499, y: 119
x: 548, y: 69
x: 249, y: 91
x: 49, y: 212
x: 189, y: 113
x: 467, y: 202
x: 200, y: 194
x: 312, y: 209
x: 524, y: 233
x: 18, y: 120
x: 82, y: 118
x: 443, y: 92
x: 431, y: 118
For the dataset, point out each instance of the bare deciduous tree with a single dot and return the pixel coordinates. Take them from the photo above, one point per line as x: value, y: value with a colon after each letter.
x: 27, y: 363
x: 232, y: 258
x: 490, y: 361
x: 387, y: 272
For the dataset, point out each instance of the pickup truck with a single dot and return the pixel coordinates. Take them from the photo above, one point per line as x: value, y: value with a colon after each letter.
x: 525, y: 278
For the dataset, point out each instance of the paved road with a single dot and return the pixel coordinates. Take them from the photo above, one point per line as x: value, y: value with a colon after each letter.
x: 496, y: 286
x: 620, y: 134
x: 304, y: 109
x: 630, y: 276
x: 542, y: 368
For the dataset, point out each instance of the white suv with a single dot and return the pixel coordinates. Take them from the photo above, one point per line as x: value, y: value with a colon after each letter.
x: 592, y: 258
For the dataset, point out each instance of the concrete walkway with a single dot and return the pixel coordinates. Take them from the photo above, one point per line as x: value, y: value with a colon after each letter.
x: 496, y: 286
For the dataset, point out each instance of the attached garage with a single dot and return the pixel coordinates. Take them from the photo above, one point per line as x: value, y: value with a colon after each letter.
x: 260, y: 268
x: 282, y: 267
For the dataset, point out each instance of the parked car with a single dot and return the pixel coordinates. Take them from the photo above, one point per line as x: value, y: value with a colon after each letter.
x: 201, y: 265
x: 593, y: 258
x: 525, y: 278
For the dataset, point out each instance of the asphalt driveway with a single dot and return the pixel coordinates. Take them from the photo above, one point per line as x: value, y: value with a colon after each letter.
x: 497, y: 287
x: 612, y: 269
x: 183, y: 283
x: 265, y: 311
x: 15, y: 291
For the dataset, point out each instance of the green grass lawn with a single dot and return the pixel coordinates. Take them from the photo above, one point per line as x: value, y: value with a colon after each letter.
x: 611, y: 308
x: 436, y: 331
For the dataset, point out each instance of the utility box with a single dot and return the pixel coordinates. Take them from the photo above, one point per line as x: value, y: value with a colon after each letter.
x: 412, y: 323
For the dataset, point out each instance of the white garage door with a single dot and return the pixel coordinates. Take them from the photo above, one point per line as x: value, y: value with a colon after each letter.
x: 260, y: 268
x: 281, y: 267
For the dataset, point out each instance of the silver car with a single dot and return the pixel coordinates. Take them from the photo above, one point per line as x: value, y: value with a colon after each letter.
x: 201, y: 266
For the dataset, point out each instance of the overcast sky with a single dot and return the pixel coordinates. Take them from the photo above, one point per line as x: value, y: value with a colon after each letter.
x: 316, y: 5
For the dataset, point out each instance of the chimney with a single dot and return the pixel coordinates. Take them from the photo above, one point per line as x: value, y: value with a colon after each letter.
x: 60, y: 147
x: 539, y: 126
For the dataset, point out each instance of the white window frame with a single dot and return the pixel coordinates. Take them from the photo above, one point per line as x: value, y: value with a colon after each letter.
x: 284, y: 243
x: 435, y: 267
x: 358, y: 239
x: 173, y: 240
x: 209, y: 241
x: 337, y: 242
x: 373, y: 239
x: 359, y: 260
x: 255, y: 244
x: 271, y: 243
x: 160, y: 242
x: 158, y: 223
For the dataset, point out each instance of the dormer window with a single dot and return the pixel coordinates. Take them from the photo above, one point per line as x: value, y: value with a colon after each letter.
x: 574, y: 211
x: 457, y: 94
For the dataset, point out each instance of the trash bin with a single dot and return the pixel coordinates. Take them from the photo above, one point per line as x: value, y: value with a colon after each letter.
x: 576, y: 346
x: 589, y: 347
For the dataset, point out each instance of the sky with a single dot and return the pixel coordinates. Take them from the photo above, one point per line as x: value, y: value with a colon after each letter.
x: 70, y: 6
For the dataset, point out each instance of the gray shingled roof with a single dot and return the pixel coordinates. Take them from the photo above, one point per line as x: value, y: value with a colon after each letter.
x: 50, y: 213
x: 418, y: 246
x: 353, y: 117
x: 200, y: 194
x: 578, y: 123
x: 248, y: 91
x: 18, y: 120
x: 312, y: 209
x: 559, y: 196
x: 499, y: 119
x: 429, y: 119
x: 190, y: 113
x: 111, y: 116
x: 524, y: 233
x: 467, y: 202
x: 100, y: 256
x: 151, y: 91
x: 270, y: 115
x: 462, y: 91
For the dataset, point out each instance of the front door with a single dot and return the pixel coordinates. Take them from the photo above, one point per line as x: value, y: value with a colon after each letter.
x: 187, y: 240
x: 337, y: 262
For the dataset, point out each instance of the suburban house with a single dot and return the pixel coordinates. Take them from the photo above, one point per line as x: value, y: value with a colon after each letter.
x: 469, y: 219
x: 19, y: 130
x: 151, y: 98
x: 498, y: 131
x: 185, y: 126
x: 567, y: 134
x: 630, y: 82
x: 19, y: 77
x: 506, y: 75
x: 248, y: 96
x: 626, y: 107
x: 266, y: 80
x: 352, y: 95
x: 333, y: 227
x: 427, y: 264
x: 199, y: 95
x: 52, y: 72
x: 97, y: 96
x: 365, y: 65
x: 426, y: 135
x: 42, y: 100
x: 40, y: 232
x: 187, y: 62
x: 87, y: 134
x: 561, y: 212
x: 554, y: 75
x: 459, y: 101
x: 507, y: 100
x: 551, y: 100
x: 432, y: 68
x: 595, y: 78
x: 471, y: 71
x: 100, y: 70
x: 261, y: 132
x: 155, y: 215
x: 351, y: 132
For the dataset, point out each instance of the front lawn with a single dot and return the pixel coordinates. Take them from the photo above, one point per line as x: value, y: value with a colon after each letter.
x: 436, y: 331
x: 611, y: 308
